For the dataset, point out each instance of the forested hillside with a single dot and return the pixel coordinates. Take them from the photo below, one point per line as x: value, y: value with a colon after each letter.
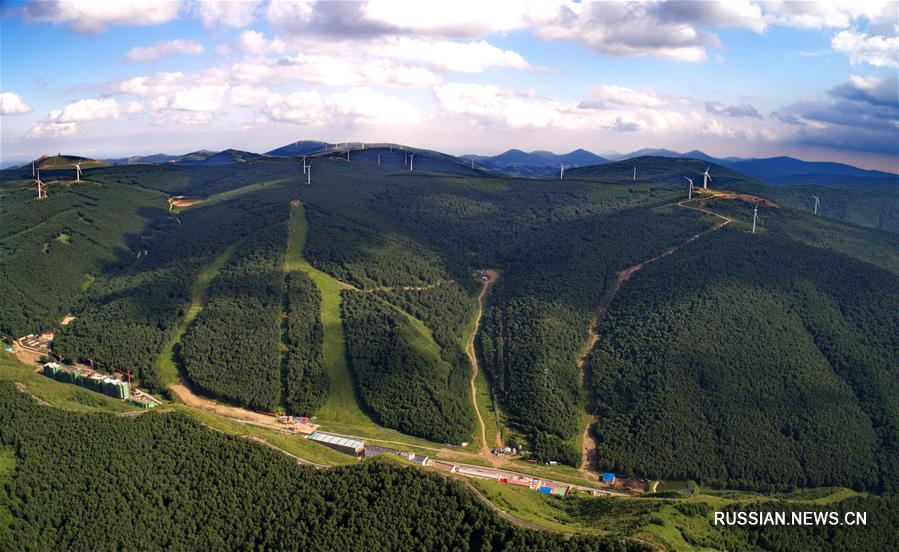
x: 128, y: 315
x: 757, y: 361
x: 232, y: 350
x: 52, y: 250
x: 400, y: 374
x: 306, y: 384
x: 160, y: 481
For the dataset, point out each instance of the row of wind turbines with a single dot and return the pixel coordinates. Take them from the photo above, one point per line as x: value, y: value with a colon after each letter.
x: 408, y: 160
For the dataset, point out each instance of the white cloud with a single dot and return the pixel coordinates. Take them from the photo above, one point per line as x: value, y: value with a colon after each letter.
x: 201, y: 98
x: 248, y: 96
x: 134, y: 107
x: 52, y: 130
x: 462, y: 57
x: 93, y: 16
x: 366, y: 107
x: 605, y: 95
x: 256, y: 43
x: 878, y: 51
x: 331, y: 70
x: 356, y: 106
x: 619, y: 109
x: 168, y: 83
x: 233, y: 13
x: 87, y: 110
x: 304, y: 108
x: 12, y: 104
x: 491, y: 104
x: 162, y: 49
x: 141, y: 54
x: 829, y: 14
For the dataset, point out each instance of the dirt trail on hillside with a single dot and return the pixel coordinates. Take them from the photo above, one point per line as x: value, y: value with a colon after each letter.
x: 193, y: 400
x: 473, y: 358
x: 588, y: 454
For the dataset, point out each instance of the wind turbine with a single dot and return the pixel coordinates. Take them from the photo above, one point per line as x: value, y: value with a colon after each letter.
x: 348, y: 154
x: 379, y: 158
x: 77, y: 172
x: 304, y: 164
x: 411, y: 158
x: 635, y: 173
x: 755, y: 216
x: 41, y: 192
x: 690, y: 180
x: 309, y: 173
x: 706, y: 177
x: 472, y: 162
x: 32, y: 169
x: 817, y: 203
x: 561, y: 171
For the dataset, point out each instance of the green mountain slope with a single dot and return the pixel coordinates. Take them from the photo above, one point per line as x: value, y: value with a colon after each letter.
x: 756, y: 361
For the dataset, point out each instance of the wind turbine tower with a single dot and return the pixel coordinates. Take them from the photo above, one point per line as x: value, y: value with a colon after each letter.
x: 755, y: 217
x: 411, y: 158
x: 706, y: 177
x: 379, y: 158
x: 77, y: 172
x: 817, y: 204
x: 41, y: 192
x: 690, y: 193
x: 309, y: 174
x: 635, y: 173
x: 32, y: 169
x: 561, y: 171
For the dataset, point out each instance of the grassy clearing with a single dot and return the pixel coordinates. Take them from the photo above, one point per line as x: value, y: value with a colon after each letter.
x: 7, y: 463
x: 63, y: 395
x: 342, y: 412
x: 88, y: 282
x: 545, y: 511
x: 230, y: 194
x: 167, y: 363
x: 342, y: 405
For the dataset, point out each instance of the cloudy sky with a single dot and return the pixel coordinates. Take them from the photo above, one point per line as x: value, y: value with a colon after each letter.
x: 741, y: 77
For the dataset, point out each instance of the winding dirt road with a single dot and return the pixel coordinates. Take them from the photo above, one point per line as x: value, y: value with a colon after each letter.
x: 588, y: 454
x: 473, y: 359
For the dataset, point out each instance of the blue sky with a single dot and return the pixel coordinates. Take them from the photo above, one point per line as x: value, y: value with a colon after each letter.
x: 812, y: 80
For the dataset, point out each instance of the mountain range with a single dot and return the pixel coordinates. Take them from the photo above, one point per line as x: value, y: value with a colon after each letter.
x: 781, y: 171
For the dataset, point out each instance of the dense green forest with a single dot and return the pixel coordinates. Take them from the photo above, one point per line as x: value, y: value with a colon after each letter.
x: 540, y: 310
x: 755, y: 361
x: 161, y: 481
x: 51, y: 250
x: 232, y: 350
x: 400, y: 374
x: 305, y: 382
x: 197, y: 181
x: 558, y: 244
x: 127, y: 315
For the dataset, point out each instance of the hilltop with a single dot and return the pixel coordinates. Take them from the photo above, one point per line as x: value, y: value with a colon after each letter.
x: 59, y: 162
